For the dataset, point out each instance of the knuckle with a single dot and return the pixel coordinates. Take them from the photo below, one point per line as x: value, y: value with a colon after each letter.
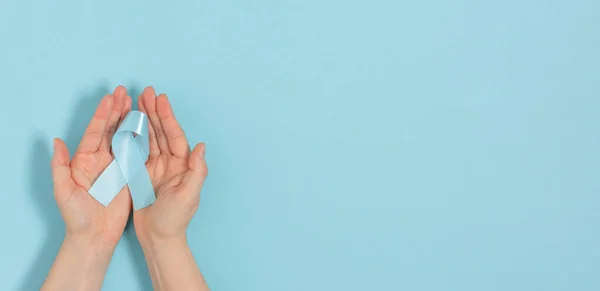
x: 175, y: 135
x: 93, y: 134
x: 203, y: 169
x: 112, y: 129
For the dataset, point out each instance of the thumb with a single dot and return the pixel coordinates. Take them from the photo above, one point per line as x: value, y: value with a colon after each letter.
x: 61, y: 170
x: 194, y: 178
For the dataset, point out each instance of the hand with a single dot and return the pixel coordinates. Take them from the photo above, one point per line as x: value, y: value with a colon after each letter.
x: 176, y: 173
x: 92, y: 230
x: 85, y: 218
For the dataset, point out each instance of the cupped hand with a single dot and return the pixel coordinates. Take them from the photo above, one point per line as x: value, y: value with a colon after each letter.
x: 84, y: 216
x: 177, y: 173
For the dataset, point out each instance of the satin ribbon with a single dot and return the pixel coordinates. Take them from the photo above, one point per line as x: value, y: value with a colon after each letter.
x: 131, y: 151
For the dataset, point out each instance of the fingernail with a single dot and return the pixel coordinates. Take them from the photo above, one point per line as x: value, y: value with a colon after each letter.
x: 202, y: 150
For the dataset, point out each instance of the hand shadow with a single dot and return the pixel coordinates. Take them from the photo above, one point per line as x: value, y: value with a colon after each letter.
x: 41, y: 189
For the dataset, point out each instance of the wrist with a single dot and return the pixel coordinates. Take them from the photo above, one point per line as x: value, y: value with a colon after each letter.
x: 91, y: 243
x: 171, y: 264
x: 154, y: 244
x: 81, y: 264
x: 91, y: 252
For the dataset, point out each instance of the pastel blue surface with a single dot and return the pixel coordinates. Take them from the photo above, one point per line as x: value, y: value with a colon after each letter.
x: 352, y: 145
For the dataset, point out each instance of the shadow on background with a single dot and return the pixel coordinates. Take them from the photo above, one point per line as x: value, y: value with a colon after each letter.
x: 40, y: 181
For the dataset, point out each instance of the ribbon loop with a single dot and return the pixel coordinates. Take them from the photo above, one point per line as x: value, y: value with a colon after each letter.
x: 131, y: 150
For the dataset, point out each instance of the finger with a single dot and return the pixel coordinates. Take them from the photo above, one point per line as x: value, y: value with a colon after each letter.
x: 126, y: 108
x: 150, y: 105
x: 174, y: 133
x: 153, y: 143
x: 97, y: 127
x: 61, y: 170
x: 195, y: 176
x: 119, y: 96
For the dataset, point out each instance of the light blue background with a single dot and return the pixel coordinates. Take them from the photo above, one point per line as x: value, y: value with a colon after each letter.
x: 352, y: 145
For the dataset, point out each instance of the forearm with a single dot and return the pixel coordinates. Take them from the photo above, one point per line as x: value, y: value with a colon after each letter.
x: 172, y: 266
x: 81, y: 264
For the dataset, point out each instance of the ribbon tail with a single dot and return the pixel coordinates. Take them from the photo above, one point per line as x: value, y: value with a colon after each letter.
x: 142, y: 192
x: 108, y: 185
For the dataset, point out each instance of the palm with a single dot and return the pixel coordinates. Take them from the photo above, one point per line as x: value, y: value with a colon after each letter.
x: 169, y: 169
x: 111, y: 220
x: 81, y: 212
x: 166, y: 172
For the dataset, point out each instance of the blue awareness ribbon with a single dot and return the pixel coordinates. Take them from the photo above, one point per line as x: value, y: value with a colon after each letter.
x: 131, y: 150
